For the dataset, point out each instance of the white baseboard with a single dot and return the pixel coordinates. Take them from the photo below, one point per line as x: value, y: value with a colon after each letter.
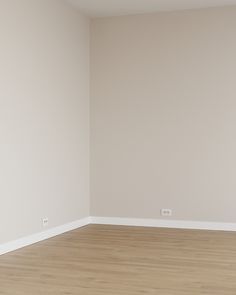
x: 181, y: 224
x: 38, y: 237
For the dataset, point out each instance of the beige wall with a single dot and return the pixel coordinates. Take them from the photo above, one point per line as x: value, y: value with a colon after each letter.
x: 163, y: 109
x: 44, y: 116
x: 162, y: 115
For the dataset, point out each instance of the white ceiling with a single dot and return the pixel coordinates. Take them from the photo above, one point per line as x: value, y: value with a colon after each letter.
x: 102, y: 8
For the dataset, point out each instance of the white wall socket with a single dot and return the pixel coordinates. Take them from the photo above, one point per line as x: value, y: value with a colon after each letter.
x: 45, y: 221
x: 166, y: 212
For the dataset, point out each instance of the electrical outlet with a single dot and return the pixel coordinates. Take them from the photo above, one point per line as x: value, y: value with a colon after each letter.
x: 166, y: 212
x: 45, y: 222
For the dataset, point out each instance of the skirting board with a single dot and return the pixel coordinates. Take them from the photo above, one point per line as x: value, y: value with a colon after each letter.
x: 38, y: 237
x: 181, y: 224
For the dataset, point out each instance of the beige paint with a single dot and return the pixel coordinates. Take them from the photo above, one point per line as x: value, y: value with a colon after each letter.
x: 106, y: 8
x: 44, y: 115
x: 163, y: 109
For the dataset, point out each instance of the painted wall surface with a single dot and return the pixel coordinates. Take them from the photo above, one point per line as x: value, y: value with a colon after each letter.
x: 163, y: 115
x: 44, y: 116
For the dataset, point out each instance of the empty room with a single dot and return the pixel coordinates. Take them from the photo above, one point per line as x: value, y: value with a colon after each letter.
x: 117, y: 147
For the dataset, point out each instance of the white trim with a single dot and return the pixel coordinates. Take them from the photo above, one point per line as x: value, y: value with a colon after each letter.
x: 181, y: 224
x: 38, y: 237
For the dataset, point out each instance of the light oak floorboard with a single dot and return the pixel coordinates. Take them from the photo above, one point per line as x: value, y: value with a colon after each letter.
x: 117, y: 260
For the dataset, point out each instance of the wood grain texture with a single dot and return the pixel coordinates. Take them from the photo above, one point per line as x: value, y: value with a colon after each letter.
x: 116, y: 260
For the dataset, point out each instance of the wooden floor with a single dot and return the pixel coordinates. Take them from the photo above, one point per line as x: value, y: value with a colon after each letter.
x: 114, y: 260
